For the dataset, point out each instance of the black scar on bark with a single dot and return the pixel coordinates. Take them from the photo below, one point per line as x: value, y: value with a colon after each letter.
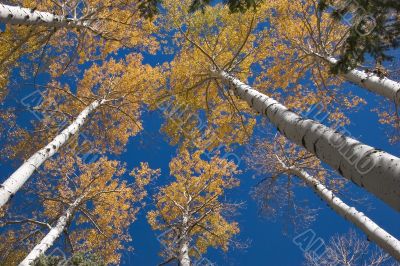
x: 303, y: 138
x: 280, y: 131
x: 340, y: 169
x: 303, y: 141
x: 315, y: 145
x: 376, y: 150
x: 370, y: 152
x: 266, y: 109
x: 266, y: 99
x: 298, y: 120
x: 287, y: 110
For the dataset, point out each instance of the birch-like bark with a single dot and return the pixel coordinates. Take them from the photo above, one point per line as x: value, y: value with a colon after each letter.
x: 52, y: 235
x: 26, y: 16
x: 373, y: 169
x: 183, y: 257
x: 383, y: 86
x: 374, y: 232
x: 22, y: 174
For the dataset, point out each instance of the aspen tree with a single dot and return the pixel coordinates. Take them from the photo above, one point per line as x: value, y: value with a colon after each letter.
x: 57, y: 38
x: 91, y: 205
x: 373, y: 169
x: 110, y: 96
x: 190, y: 212
x: 278, y: 157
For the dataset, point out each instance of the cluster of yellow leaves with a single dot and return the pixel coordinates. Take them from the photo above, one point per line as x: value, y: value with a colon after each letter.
x: 113, y: 25
x: 206, y: 40
x: 298, y: 30
x: 16, y: 41
x: 8, y: 254
x: 143, y: 176
x: 392, y: 119
x: 110, y: 202
x: 197, y: 190
x: 127, y: 85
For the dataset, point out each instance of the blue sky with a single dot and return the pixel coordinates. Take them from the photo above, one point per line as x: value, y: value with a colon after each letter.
x: 267, y: 243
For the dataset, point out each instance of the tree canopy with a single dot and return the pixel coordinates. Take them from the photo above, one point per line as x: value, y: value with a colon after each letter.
x: 135, y: 128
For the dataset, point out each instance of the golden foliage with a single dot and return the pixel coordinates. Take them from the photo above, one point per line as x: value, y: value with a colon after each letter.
x: 196, y: 194
x: 111, y: 25
x: 126, y: 85
x: 208, y: 40
x: 301, y: 36
x: 110, y: 202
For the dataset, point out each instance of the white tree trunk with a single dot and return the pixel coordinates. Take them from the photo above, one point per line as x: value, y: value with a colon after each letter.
x: 22, y: 174
x: 26, y: 16
x: 382, y: 86
x: 374, y: 232
x: 375, y: 170
x: 52, y: 235
x: 184, y: 259
x: 183, y: 256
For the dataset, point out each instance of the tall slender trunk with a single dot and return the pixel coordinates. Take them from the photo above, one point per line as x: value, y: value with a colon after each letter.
x: 26, y: 16
x: 52, y: 235
x: 373, y: 169
x: 183, y: 256
x: 374, y: 232
x: 22, y: 174
x: 379, y: 85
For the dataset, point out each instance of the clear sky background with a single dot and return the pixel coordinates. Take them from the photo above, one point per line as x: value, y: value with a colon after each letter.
x: 268, y: 245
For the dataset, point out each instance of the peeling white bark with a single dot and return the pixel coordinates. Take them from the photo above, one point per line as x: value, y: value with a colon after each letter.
x: 26, y: 16
x: 382, y: 86
x: 52, y: 235
x: 374, y: 232
x: 373, y: 169
x: 22, y: 174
